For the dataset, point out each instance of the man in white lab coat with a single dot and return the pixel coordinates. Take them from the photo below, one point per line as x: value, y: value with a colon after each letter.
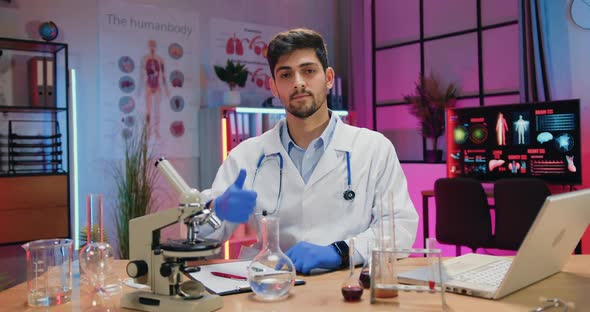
x: 331, y: 171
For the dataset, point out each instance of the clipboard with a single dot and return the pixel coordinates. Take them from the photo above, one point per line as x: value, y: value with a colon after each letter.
x: 226, y: 286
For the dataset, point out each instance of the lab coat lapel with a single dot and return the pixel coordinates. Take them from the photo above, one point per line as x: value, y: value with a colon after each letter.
x: 273, y: 141
x: 331, y: 158
x: 274, y: 145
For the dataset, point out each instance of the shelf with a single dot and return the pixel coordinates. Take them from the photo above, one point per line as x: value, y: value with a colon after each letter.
x: 30, y: 45
x: 33, y: 145
x: 30, y: 109
x: 35, y: 139
x: 40, y: 153
x: 32, y: 174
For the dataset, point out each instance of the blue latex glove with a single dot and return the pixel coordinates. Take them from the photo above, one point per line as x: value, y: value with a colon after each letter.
x: 307, y: 256
x: 236, y: 204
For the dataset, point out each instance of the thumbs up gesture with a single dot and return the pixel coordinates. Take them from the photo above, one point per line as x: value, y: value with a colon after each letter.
x: 236, y: 204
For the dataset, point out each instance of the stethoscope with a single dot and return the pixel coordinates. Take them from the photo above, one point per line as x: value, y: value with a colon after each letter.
x: 348, y: 194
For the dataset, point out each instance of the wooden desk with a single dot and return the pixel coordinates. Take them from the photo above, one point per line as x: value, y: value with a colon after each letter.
x: 425, y: 218
x: 322, y: 293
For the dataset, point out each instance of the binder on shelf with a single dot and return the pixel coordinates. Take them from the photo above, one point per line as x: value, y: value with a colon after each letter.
x: 234, y: 130
x: 49, y: 82
x: 339, y: 101
x: 37, y: 81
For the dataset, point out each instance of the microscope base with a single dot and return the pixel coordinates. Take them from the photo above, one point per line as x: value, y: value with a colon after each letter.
x: 147, y: 301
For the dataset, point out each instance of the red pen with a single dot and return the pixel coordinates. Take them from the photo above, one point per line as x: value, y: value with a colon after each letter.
x: 227, y: 275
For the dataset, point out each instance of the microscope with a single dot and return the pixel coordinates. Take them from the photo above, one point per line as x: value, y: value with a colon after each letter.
x: 162, y: 265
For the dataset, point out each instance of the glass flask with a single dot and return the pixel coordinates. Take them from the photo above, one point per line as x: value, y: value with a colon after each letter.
x: 96, y: 259
x: 96, y: 256
x: 365, y: 275
x: 271, y: 274
x: 351, y: 287
x: 94, y: 229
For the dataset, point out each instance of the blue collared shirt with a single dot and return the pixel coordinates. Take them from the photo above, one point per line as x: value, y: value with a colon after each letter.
x: 306, y: 160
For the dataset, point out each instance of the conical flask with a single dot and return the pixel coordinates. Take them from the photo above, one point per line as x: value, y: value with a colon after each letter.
x: 271, y: 273
x: 365, y: 275
x: 351, y: 287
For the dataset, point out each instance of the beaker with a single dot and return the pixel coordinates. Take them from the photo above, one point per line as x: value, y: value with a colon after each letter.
x: 49, y: 271
x: 271, y: 274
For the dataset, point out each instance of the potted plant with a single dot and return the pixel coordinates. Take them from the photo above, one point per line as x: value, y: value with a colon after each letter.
x: 428, y: 103
x: 135, y: 180
x: 234, y: 74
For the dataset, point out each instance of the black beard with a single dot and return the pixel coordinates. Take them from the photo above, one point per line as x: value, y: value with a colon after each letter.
x: 305, y: 111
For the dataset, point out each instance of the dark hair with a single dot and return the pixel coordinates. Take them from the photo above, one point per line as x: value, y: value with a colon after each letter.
x: 296, y: 39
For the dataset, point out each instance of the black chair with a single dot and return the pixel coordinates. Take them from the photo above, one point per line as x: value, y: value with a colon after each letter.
x: 517, y: 201
x: 462, y: 213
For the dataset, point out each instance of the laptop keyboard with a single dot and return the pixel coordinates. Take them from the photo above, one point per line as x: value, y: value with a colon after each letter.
x: 491, y: 274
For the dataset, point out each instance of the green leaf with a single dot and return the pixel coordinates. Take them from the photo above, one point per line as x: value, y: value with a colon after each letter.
x: 234, y: 74
x: 135, y: 180
x: 428, y: 104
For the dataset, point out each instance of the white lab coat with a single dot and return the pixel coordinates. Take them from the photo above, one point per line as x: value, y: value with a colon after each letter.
x: 317, y: 212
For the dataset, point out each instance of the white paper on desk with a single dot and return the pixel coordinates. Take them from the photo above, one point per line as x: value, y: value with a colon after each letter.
x: 224, y: 286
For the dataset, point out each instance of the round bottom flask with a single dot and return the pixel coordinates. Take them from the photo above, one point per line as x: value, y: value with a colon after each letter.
x: 96, y: 262
x: 271, y: 273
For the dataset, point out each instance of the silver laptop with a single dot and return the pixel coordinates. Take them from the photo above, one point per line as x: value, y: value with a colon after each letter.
x: 550, y: 241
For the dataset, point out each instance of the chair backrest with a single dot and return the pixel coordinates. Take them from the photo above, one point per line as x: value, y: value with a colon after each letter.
x: 517, y: 201
x: 462, y: 212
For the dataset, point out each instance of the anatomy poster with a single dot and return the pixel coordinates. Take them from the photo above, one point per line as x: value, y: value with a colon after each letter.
x: 148, y: 75
x: 247, y: 44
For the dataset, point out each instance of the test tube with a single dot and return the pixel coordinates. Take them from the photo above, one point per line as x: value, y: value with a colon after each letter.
x: 387, y: 257
x: 430, y: 244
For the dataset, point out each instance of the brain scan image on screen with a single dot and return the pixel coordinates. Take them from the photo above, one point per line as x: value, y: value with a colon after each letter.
x: 564, y: 143
x: 544, y: 137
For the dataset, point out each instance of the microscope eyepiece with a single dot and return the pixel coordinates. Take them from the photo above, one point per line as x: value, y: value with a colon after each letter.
x: 159, y: 160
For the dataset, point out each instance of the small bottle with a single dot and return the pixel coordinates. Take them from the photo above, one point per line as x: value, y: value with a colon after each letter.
x: 351, y: 288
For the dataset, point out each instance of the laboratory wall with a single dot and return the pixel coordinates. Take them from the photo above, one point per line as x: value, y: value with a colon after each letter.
x: 567, y: 62
x: 347, y: 28
x: 78, y: 26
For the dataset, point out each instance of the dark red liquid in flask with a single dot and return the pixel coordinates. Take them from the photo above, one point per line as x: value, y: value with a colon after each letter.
x: 365, y: 279
x: 352, y: 293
